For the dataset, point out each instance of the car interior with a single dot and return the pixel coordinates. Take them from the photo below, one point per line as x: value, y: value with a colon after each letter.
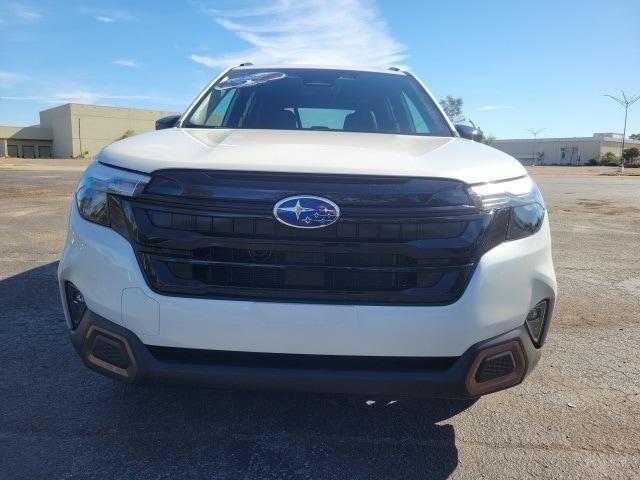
x: 323, y: 100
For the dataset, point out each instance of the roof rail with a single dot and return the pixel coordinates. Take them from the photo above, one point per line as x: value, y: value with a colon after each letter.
x: 246, y: 64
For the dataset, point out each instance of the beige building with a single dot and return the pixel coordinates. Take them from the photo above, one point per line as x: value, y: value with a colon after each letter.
x: 565, y: 151
x: 74, y: 130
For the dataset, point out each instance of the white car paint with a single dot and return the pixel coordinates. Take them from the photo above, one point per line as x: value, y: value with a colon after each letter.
x: 313, y: 152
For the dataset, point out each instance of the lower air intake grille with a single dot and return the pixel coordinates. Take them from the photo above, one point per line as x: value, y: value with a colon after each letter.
x: 110, y: 351
x: 300, y: 361
x: 495, y: 366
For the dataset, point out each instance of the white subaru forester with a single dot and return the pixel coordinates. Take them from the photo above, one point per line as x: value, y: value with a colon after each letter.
x: 315, y: 229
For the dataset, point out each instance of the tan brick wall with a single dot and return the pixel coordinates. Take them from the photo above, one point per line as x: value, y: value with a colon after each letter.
x: 89, y: 128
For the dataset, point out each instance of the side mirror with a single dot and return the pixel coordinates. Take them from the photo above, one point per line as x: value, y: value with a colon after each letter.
x: 470, y: 133
x: 167, y: 122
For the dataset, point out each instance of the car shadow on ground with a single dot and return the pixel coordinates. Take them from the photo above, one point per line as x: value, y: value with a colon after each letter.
x: 63, y: 420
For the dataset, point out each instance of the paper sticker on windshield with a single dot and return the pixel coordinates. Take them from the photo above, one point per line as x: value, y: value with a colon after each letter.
x: 249, y: 80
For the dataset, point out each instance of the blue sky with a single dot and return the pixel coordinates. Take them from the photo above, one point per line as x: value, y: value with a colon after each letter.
x: 518, y: 65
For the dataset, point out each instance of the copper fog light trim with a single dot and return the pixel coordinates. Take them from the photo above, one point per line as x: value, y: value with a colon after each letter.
x: 127, y: 374
x: 499, y: 383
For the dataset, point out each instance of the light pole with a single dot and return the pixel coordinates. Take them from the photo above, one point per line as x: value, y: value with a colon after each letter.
x: 626, y: 103
x: 535, y: 135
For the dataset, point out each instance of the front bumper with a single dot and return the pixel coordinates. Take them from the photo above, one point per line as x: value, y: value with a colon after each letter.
x: 508, y: 281
x: 448, y: 378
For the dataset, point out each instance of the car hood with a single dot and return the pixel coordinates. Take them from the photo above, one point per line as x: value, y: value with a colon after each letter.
x: 312, y: 152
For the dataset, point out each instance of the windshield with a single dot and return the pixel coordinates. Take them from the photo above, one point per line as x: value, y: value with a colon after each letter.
x: 308, y: 99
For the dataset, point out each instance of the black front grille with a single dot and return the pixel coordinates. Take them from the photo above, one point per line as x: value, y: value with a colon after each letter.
x: 267, y: 228
x: 398, y: 241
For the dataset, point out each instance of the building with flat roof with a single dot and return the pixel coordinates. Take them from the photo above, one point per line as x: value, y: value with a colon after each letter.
x: 75, y: 130
x: 565, y: 151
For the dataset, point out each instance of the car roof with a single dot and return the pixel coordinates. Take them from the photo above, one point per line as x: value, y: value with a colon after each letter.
x: 391, y: 71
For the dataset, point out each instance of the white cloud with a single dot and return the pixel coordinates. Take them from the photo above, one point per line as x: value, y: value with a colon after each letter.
x: 342, y: 32
x: 88, y: 96
x: 19, y: 14
x: 126, y: 63
x: 9, y: 79
x: 491, y: 108
x: 20, y: 98
x: 31, y: 15
x: 204, y: 60
x: 77, y: 96
x: 107, y: 16
x: 24, y: 13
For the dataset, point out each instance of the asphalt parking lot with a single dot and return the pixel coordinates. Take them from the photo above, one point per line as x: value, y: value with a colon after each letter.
x: 576, y: 416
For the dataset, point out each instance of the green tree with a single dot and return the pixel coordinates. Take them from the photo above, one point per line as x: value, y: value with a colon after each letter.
x: 452, y: 106
x: 609, y: 159
x: 631, y: 155
x: 489, y: 140
x: 635, y: 136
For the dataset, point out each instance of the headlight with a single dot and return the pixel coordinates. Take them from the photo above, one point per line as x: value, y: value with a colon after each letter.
x: 98, y: 182
x: 522, y: 197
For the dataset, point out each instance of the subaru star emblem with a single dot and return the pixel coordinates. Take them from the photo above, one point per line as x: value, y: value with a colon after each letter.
x: 306, y: 211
